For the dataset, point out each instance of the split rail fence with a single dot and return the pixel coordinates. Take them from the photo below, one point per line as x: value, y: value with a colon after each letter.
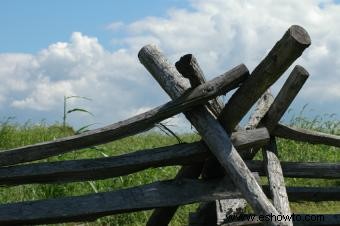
x: 217, y: 171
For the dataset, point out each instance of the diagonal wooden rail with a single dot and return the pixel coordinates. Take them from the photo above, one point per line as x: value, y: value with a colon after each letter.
x: 282, y: 55
x: 188, y: 66
x: 305, y: 135
x: 212, y: 133
x: 192, y: 156
x: 273, y: 167
x: 286, y: 51
x: 201, y: 94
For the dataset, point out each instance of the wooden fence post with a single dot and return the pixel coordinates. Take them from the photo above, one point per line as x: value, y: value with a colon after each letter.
x: 212, y: 133
x: 282, y: 55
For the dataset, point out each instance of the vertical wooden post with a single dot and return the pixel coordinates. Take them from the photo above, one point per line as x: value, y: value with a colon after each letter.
x: 276, y: 180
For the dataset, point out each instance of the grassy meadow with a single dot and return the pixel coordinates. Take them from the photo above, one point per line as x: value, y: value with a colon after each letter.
x: 14, y: 135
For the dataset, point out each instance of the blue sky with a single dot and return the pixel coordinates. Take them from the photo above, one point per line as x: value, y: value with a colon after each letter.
x: 28, y: 26
x: 49, y: 49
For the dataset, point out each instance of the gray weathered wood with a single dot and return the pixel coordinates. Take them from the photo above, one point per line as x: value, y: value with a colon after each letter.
x: 101, y: 168
x: 273, y: 167
x: 206, y: 214
x: 207, y: 211
x: 281, y: 102
x: 190, y: 69
x: 285, y: 97
x: 283, y: 54
x: 90, y: 207
x: 212, y: 132
x: 265, y: 74
x: 261, y: 108
x: 313, y: 194
x: 289, y: 48
x: 314, y: 170
x: 162, y: 216
x: 200, y: 95
x: 273, y: 112
x: 272, y: 163
x: 301, y: 169
x: 304, y: 135
x: 275, y: 179
x: 236, y: 205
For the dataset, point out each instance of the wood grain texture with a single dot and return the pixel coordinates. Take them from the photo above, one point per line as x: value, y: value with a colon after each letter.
x: 282, y: 55
x: 286, y: 95
x: 90, y: 207
x: 313, y: 194
x: 304, y: 135
x: 235, y: 206
x: 275, y: 179
x: 281, y: 102
x: 190, y: 69
x: 294, y: 34
x: 101, y: 168
x: 276, y: 110
x: 211, y: 131
x: 163, y: 215
x: 301, y: 169
x: 264, y: 75
x: 199, y: 95
x: 261, y: 108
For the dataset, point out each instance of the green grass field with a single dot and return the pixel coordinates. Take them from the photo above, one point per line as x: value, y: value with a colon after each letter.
x: 13, y: 135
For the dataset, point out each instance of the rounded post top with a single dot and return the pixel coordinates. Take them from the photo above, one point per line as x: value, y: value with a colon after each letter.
x: 301, y: 71
x: 300, y: 34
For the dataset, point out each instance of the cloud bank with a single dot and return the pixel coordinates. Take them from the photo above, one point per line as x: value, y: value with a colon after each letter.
x: 221, y: 34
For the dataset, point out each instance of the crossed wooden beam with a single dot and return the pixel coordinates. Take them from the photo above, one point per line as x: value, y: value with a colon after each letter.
x: 228, y: 169
x: 215, y: 132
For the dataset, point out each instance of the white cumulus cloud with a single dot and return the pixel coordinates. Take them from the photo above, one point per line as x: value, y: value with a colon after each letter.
x: 221, y: 34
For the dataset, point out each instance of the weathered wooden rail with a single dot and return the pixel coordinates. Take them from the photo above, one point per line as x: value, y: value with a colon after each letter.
x: 223, y: 158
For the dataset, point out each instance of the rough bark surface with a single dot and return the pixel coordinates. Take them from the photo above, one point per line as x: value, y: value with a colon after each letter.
x: 299, y: 134
x: 283, y: 54
x: 90, y: 207
x: 276, y: 181
x: 211, y: 131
